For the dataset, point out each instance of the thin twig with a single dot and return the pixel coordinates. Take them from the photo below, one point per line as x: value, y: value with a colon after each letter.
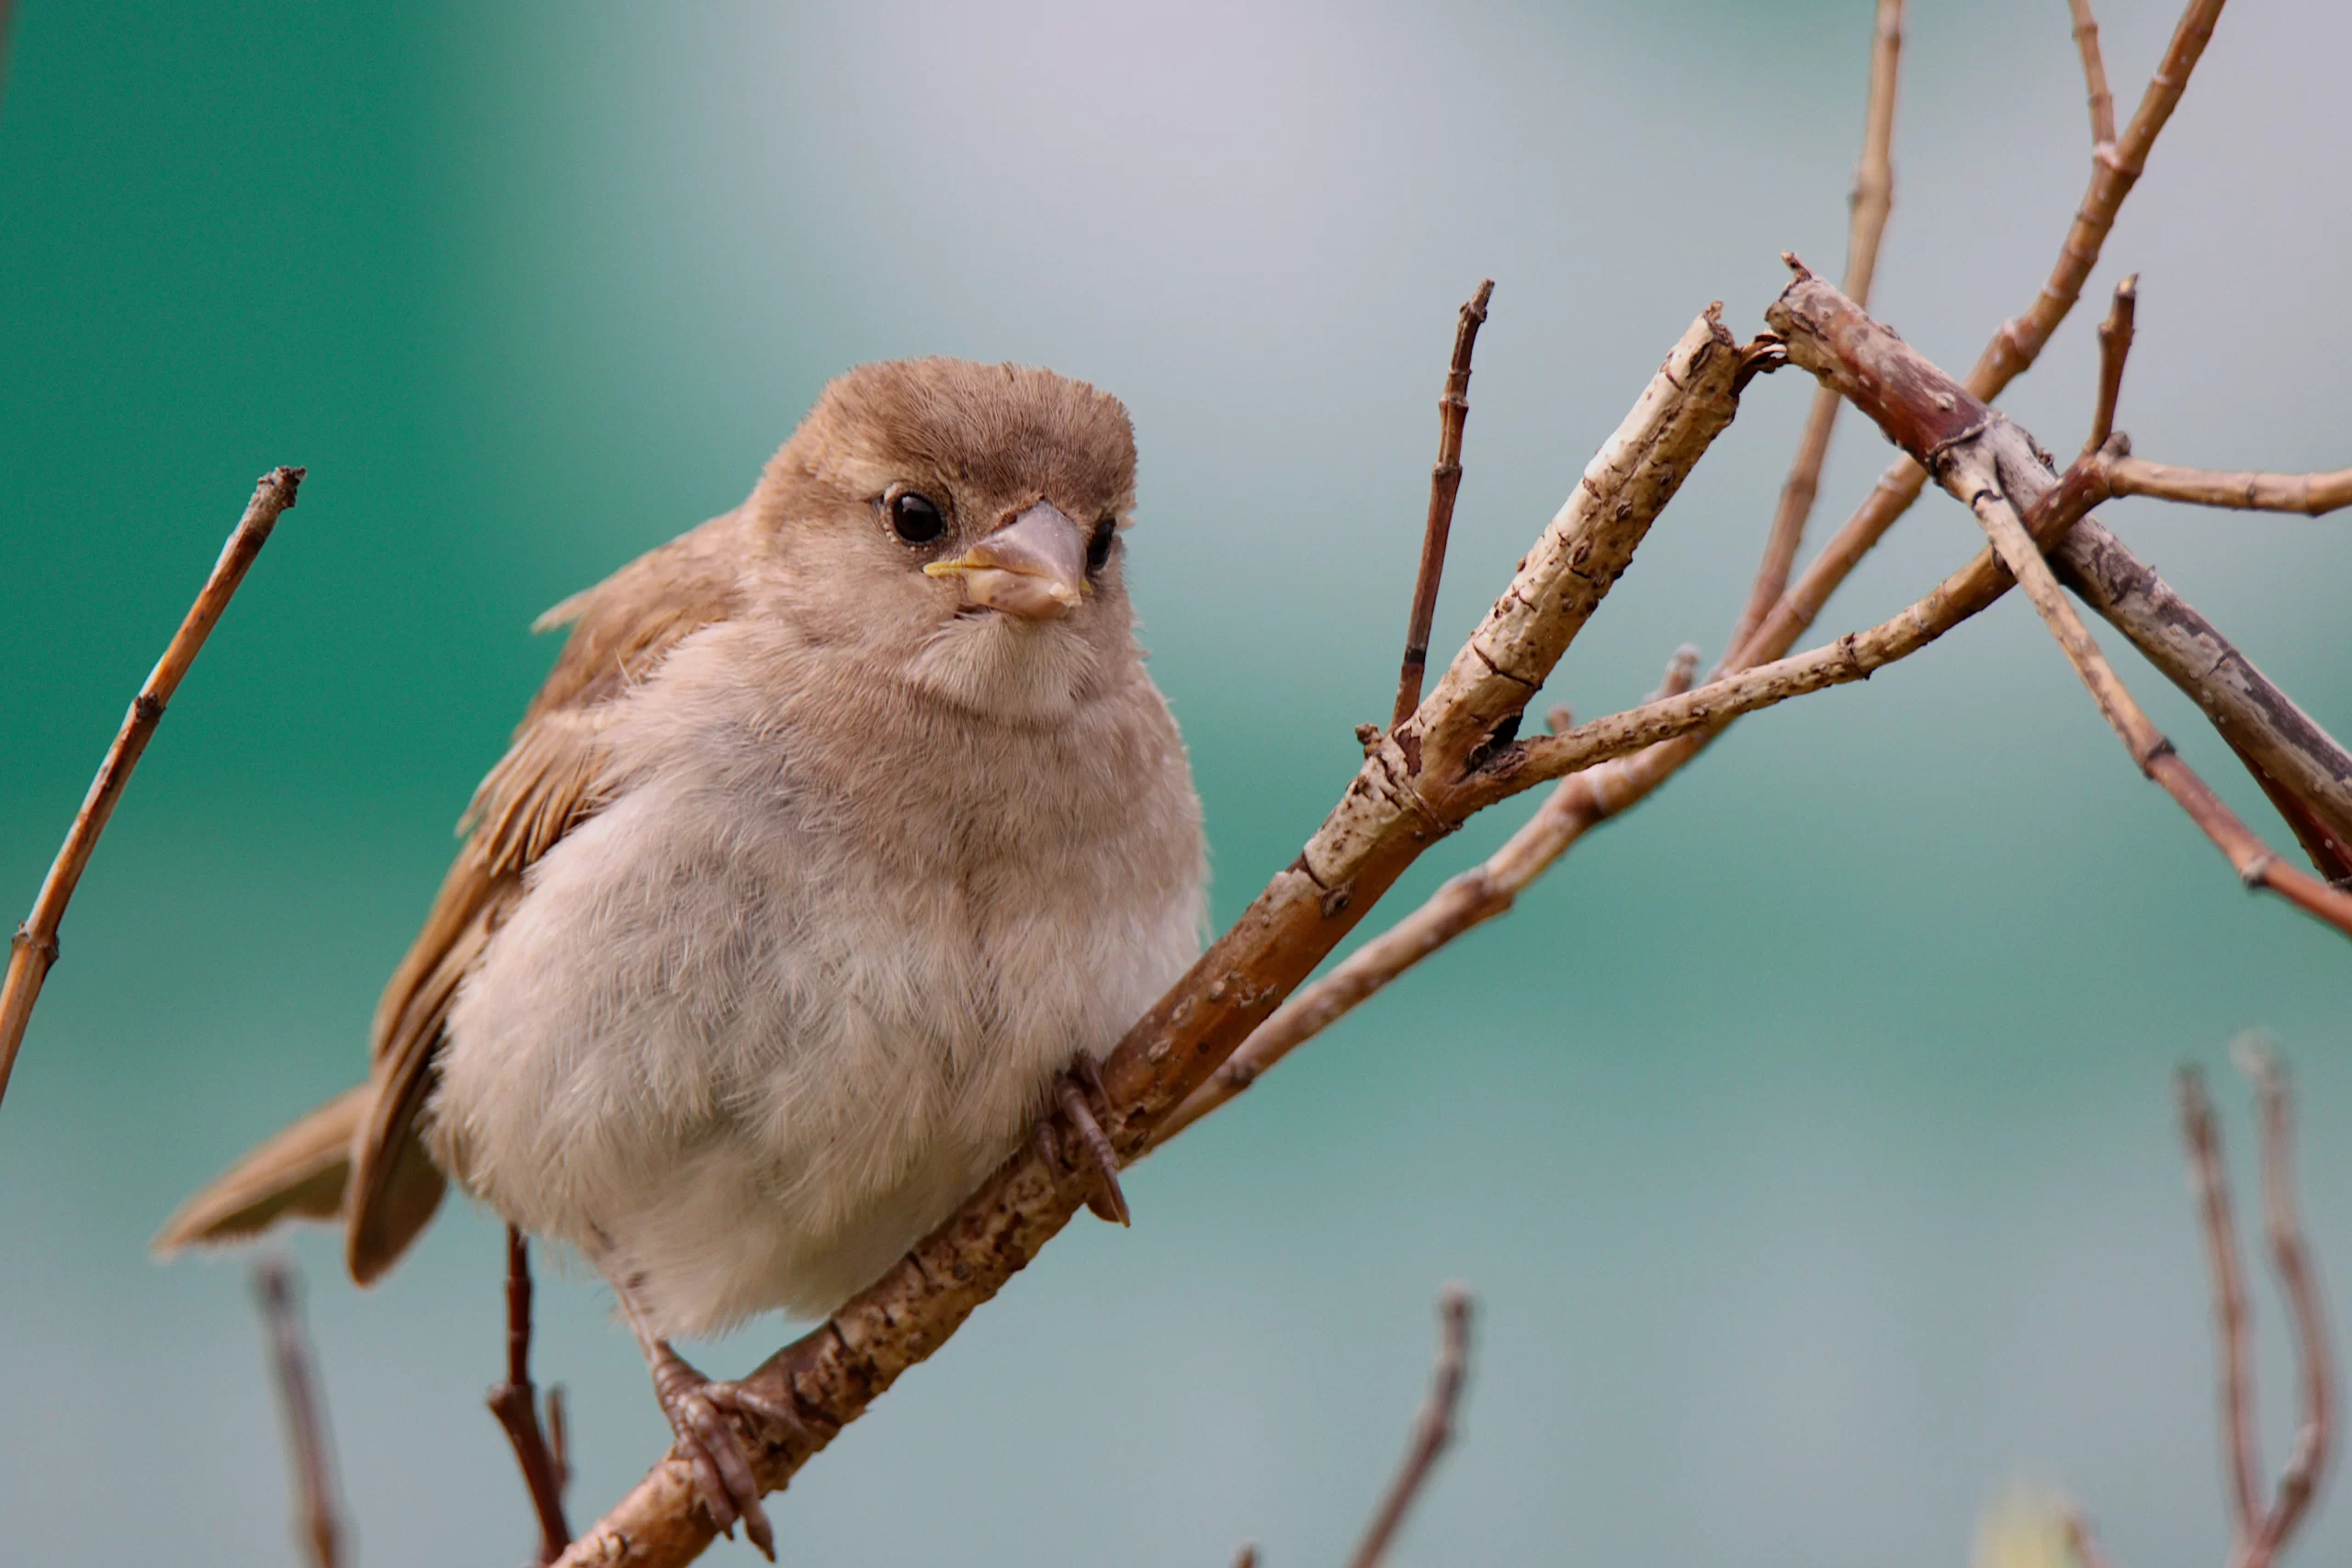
x: 2290, y: 1260
x: 2311, y: 494
x: 34, y: 949
x: 1445, y: 482
x: 1994, y: 468
x: 1868, y: 208
x: 1432, y: 1429
x: 2232, y: 1326
x: 2114, y: 348
x: 1246, y: 1557
x: 310, y: 1449
x: 515, y: 1404
x: 2094, y: 76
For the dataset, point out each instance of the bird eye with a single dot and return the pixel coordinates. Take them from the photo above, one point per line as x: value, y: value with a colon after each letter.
x: 1098, y: 548
x: 915, y: 518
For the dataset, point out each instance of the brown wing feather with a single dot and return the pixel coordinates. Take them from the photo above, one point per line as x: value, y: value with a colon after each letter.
x: 553, y: 777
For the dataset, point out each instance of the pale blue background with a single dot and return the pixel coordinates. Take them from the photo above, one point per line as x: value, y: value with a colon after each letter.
x: 1807, y: 1136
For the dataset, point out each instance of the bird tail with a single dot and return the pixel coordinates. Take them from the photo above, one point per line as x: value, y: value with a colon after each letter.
x: 300, y: 1173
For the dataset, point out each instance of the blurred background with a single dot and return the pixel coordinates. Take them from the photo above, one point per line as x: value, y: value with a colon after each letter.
x: 1807, y: 1135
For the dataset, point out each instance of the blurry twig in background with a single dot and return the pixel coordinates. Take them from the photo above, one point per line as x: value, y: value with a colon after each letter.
x: 2261, y: 1531
x: 1248, y: 1556
x: 1432, y: 1428
x: 541, y: 1453
x: 309, y: 1448
x: 1871, y: 204
x: 34, y: 949
x: 1445, y: 483
x: 2084, y: 1542
x: 2209, y: 1178
x: 1992, y: 466
x: 2291, y: 1260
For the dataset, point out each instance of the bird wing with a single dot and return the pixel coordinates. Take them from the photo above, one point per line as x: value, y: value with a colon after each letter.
x: 556, y: 774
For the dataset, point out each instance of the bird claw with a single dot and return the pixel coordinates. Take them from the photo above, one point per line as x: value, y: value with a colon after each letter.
x: 1074, y: 1140
x: 697, y: 1410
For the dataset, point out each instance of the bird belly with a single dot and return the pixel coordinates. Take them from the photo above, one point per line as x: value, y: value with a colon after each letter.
x: 742, y: 1066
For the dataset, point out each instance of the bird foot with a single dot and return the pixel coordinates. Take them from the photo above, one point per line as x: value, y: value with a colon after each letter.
x: 712, y: 1446
x: 1074, y: 1139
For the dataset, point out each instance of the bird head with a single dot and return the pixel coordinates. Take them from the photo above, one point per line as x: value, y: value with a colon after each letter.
x: 958, y: 525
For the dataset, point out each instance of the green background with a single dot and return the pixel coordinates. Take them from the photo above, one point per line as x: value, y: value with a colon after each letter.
x: 1807, y: 1136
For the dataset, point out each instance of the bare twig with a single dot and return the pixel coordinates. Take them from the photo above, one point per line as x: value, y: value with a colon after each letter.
x: 310, y: 1451
x: 2311, y: 494
x: 1445, y: 482
x: 34, y: 949
x: 1868, y: 208
x: 1432, y: 1429
x: 1994, y: 468
x: 515, y: 1404
x: 2114, y: 347
x: 2290, y: 1259
x: 1416, y: 785
x: 1246, y: 1557
x: 2102, y: 102
x: 2232, y: 1325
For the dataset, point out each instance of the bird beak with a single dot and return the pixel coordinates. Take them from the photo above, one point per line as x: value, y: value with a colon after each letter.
x: 1034, y: 567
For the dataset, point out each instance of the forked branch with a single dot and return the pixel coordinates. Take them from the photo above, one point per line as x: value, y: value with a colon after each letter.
x: 1871, y: 202
x: 515, y: 1402
x: 1994, y: 468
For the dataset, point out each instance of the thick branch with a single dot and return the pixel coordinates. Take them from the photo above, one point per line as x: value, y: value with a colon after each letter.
x: 1471, y: 899
x: 1994, y: 468
x: 1432, y: 1429
x: 1445, y: 482
x: 1410, y: 792
x: 34, y: 950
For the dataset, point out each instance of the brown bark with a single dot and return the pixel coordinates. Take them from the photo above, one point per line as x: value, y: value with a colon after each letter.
x: 1445, y: 483
x: 34, y: 949
x: 1994, y: 468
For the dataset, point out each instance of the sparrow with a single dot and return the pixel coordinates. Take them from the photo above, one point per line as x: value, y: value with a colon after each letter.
x: 848, y: 832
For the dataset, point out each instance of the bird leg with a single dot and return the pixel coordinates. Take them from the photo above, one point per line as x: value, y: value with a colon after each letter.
x: 699, y: 1411
x: 1074, y: 1140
